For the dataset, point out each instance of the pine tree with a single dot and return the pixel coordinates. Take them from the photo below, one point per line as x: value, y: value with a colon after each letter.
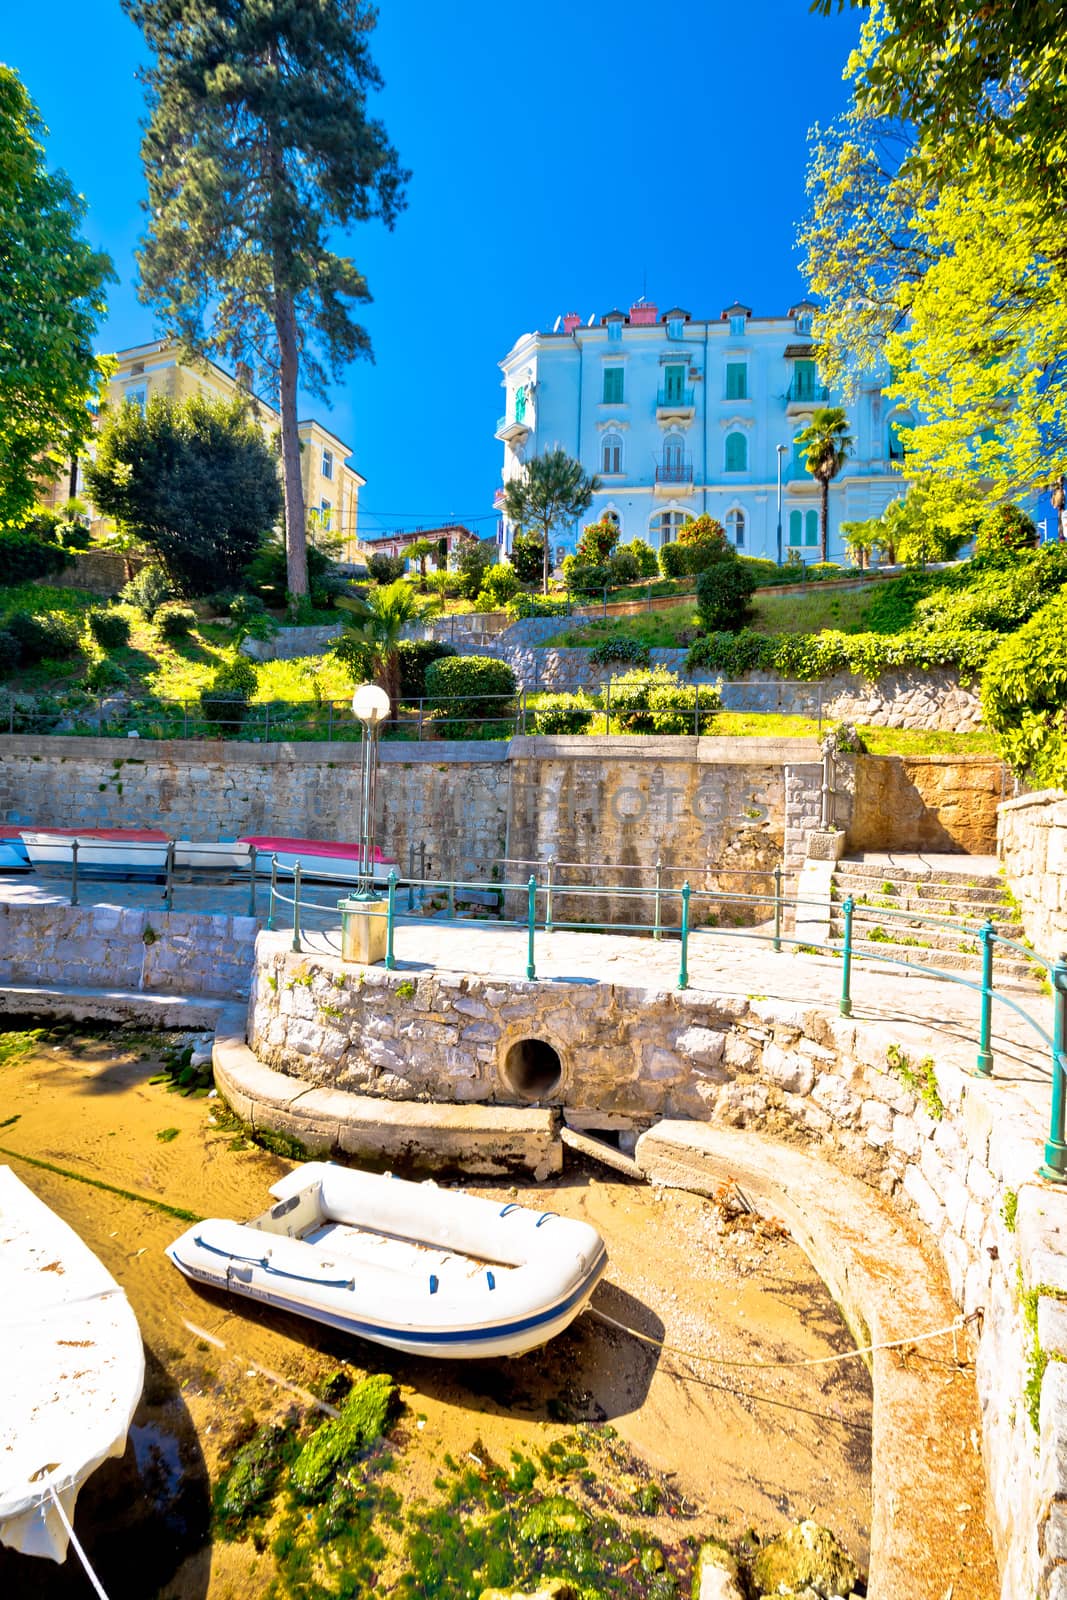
x: 259, y: 146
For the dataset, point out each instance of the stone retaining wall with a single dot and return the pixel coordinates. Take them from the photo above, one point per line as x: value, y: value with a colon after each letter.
x: 1032, y: 844
x: 940, y: 803
x: 289, y: 643
x: 962, y: 1157
x: 102, y: 572
x: 126, y: 948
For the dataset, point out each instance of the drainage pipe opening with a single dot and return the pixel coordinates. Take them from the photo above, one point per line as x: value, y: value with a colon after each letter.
x: 532, y: 1069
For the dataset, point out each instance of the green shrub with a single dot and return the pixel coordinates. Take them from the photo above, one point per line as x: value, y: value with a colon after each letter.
x: 1003, y: 531
x: 499, y: 584
x: 672, y: 560
x: 583, y: 577
x: 250, y: 618
x: 484, y: 685
x: 44, y: 638
x: 110, y: 629
x: 174, y: 620
x: 643, y: 554
x: 537, y: 605
x: 24, y: 557
x: 267, y: 572
x: 563, y: 713
x: 807, y: 657
x: 825, y: 569
x: 724, y: 592
x: 471, y: 562
x: 597, y: 542
x: 75, y: 536
x: 657, y: 702
x: 732, y: 653
x: 528, y: 557
x: 448, y: 585
x: 1024, y: 695
x: 414, y: 656
x: 385, y: 569
x: 623, y: 568
x: 764, y: 571
x: 105, y: 674
x: 10, y: 652
x: 622, y: 649
x: 148, y: 589
x: 225, y: 702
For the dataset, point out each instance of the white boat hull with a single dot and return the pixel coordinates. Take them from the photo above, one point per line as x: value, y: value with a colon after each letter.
x: 126, y: 858
x: 224, y: 856
x: 71, y: 1370
x: 409, y: 1266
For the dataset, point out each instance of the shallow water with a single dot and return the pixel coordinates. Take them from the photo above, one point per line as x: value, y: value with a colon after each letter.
x: 735, y: 1448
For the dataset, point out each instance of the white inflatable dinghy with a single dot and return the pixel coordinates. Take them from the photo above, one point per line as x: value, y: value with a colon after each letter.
x: 71, y: 1370
x: 426, y: 1270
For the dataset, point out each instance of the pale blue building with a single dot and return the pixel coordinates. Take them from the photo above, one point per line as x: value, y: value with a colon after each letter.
x: 677, y: 416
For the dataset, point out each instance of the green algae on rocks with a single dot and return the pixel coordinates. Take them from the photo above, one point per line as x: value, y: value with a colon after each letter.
x: 805, y: 1557
x: 340, y: 1441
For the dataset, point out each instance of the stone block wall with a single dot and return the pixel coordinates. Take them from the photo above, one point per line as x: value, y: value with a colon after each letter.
x: 1032, y: 844
x: 963, y: 1158
x: 289, y: 643
x: 102, y: 572
x: 939, y: 803
x: 120, y: 947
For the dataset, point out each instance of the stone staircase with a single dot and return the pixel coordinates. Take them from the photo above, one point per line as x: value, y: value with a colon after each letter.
x: 890, y: 900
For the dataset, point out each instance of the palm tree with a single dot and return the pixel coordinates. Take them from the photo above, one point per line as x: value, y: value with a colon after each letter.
x: 829, y: 443
x: 551, y: 488
x: 378, y: 622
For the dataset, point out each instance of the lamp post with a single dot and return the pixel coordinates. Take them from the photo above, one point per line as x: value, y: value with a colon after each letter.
x: 782, y: 449
x: 371, y: 706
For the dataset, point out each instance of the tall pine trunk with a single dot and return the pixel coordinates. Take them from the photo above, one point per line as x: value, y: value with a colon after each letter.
x: 295, y: 516
x: 824, y: 515
x: 546, y: 565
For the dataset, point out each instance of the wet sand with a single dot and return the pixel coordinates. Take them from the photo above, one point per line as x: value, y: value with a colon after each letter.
x: 742, y: 1449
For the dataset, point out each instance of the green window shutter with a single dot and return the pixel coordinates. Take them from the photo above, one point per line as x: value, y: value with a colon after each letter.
x: 736, y: 452
x: 811, y: 527
x: 736, y: 380
x: 613, y: 386
x: 673, y: 384
x: 804, y: 380
x: 795, y: 520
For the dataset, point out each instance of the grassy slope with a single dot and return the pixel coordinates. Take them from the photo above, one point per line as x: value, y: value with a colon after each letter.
x: 676, y: 627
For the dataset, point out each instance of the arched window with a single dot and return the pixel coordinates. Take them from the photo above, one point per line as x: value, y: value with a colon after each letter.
x: 811, y: 527
x: 894, y: 442
x: 673, y: 450
x: 664, y: 527
x: 736, y: 452
x: 735, y: 528
x: 611, y: 516
x: 796, y: 528
x: 611, y: 454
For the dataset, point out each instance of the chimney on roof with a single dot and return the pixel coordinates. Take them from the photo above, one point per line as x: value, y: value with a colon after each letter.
x: 571, y: 321
x: 643, y: 315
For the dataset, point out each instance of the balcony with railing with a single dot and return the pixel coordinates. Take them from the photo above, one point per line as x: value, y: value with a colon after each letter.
x: 512, y: 430
x: 805, y: 395
x: 672, y: 473
x: 675, y: 401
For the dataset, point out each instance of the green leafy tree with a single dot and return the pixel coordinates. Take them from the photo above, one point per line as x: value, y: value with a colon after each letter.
x: 51, y: 303
x: 421, y: 551
x: 196, y: 481
x: 375, y: 627
x: 704, y: 530
x: 861, y: 540
x: 527, y: 557
x: 259, y: 150
x: 471, y: 562
x: 550, y: 489
x: 1005, y: 530
x: 828, y: 443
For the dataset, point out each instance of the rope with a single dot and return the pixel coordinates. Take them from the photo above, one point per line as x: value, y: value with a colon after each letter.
x: 813, y: 1361
x: 75, y: 1541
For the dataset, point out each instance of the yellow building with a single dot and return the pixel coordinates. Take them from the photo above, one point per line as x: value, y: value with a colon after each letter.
x: 331, y: 485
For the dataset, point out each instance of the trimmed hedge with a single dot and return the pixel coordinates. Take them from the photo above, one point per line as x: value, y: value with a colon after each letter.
x: 487, y: 686
x: 1024, y: 696
x: 415, y: 656
x: 723, y: 595
x: 110, y: 629
x: 564, y: 713
x: 808, y: 656
x: 24, y: 557
x: 658, y: 702
x: 537, y: 605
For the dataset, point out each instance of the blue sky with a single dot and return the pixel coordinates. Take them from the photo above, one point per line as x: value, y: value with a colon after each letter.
x: 563, y: 157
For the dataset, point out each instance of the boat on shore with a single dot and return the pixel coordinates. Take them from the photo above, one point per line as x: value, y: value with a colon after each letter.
x: 102, y: 852
x: 222, y: 855
x: 416, y: 1268
x: 321, y: 858
x: 71, y: 1370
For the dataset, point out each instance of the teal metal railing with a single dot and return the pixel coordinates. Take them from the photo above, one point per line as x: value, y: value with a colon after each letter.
x: 537, y: 905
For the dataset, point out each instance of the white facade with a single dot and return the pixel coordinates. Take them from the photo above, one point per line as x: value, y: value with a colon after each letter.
x: 677, y: 417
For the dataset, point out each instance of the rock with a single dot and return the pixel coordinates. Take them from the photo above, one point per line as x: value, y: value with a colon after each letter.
x: 551, y: 1589
x: 715, y: 1576
x: 554, y: 1519
x: 804, y: 1560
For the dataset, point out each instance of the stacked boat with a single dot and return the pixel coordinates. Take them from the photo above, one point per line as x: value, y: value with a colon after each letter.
x: 143, y: 853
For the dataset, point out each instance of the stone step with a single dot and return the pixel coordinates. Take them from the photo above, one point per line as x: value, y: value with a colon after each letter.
x: 919, y: 935
x: 899, y: 914
x: 880, y: 869
x: 1006, y: 968
x: 978, y: 889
